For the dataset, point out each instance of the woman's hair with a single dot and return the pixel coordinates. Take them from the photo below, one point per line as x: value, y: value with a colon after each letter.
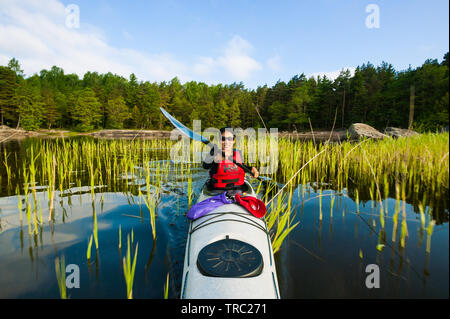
x: 228, y: 129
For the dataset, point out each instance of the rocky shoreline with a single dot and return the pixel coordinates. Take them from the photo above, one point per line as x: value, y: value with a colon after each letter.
x: 146, y: 134
x: 7, y: 133
x: 354, y: 132
x: 129, y: 134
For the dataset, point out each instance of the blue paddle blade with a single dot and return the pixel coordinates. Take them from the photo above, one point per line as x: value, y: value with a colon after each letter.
x: 183, y: 129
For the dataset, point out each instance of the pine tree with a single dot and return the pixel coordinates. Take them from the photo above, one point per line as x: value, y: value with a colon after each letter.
x: 359, y: 97
x: 235, y: 114
x: 278, y: 112
x: 51, y: 111
x: 117, y: 112
x: 63, y: 119
x: 323, y: 104
x: 131, y: 90
x: 149, y: 100
x: 14, y: 65
x: 342, y: 84
x: 85, y: 110
x: 206, y: 114
x: 221, y: 114
x: 136, y: 117
x: 297, y: 115
x: 7, y: 87
x: 30, y: 106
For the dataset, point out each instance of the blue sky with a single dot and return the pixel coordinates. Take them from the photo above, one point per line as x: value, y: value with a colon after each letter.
x: 256, y: 42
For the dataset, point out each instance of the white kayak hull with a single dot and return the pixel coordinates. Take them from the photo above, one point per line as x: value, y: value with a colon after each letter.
x: 234, y: 222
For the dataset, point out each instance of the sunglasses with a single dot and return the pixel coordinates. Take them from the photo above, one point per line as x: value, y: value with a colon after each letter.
x: 229, y: 139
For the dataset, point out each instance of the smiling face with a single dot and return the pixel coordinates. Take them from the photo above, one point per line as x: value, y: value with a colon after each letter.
x: 227, y: 141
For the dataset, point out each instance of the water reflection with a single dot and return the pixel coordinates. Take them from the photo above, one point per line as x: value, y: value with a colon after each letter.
x: 323, y: 245
x: 320, y: 259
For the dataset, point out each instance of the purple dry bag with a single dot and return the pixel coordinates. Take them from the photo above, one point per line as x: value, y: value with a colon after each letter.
x: 204, y: 207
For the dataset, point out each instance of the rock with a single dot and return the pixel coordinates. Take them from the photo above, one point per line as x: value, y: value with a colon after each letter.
x: 399, y: 132
x: 359, y: 130
x: 318, y: 136
x: 130, y: 134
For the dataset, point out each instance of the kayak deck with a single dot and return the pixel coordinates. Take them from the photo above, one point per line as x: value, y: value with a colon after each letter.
x: 230, y: 238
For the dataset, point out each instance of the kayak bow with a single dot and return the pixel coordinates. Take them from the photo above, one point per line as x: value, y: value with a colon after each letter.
x: 229, y: 255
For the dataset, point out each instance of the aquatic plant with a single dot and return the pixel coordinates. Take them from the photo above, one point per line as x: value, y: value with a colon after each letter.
x: 166, y: 288
x: 60, y: 268
x: 129, y: 267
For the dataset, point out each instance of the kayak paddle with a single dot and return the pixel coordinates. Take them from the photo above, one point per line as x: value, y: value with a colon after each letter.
x: 197, y: 137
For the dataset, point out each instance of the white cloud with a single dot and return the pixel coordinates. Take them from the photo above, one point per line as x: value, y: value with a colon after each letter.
x: 235, y: 60
x: 274, y: 63
x: 205, y: 66
x: 35, y: 33
x: 332, y: 75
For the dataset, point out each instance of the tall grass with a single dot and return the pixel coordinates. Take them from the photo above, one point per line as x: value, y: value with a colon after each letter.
x: 166, y: 288
x: 129, y: 267
x: 60, y: 268
x: 414, y: 168
x: 418, y: 166
x: 411, y: 170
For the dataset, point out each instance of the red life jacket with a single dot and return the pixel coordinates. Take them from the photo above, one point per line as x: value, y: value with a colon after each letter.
x: 229, y: 174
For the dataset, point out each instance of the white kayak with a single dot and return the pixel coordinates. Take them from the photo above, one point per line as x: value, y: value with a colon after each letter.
x: 229, y: 255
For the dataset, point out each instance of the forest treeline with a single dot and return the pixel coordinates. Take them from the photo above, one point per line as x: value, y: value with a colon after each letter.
x: 376, y: 95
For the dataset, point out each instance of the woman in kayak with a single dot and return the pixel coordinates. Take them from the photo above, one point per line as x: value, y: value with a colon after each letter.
x: 223, y: 172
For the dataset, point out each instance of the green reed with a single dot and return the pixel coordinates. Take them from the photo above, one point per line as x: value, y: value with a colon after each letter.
x: 166, y: 288
x: 120, y: 237
x: 190, y: 192
x: 279, y: 220
x: 413, y: 169
x: 429, y: 229
x: 414, y: 161
x: 7, y: 167
x: 150, y: 201
x: 129, y: 267
x: 60, y: 268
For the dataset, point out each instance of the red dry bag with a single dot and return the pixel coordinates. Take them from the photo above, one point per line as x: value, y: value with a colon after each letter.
x: 254, y: 205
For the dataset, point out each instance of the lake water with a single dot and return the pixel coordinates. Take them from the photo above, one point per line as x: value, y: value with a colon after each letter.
x: 319, y: 259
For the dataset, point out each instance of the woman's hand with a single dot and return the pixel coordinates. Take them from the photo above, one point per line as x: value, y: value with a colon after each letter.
x: 255, y: 172
x: 218, y: 157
